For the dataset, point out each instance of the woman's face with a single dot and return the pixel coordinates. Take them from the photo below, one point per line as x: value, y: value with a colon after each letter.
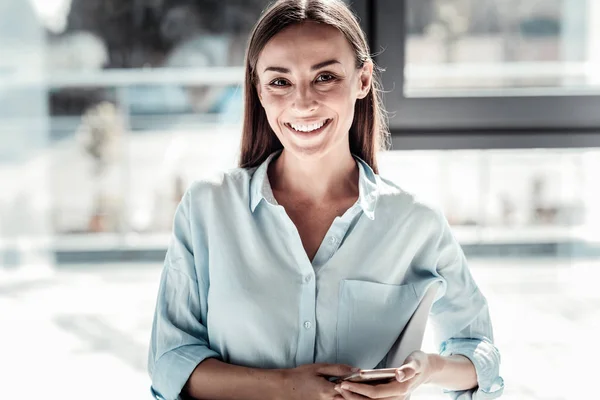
x: 308, y: 84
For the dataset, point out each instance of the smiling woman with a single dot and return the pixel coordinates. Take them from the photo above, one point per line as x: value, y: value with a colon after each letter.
x: 307, y: 67
x: 314, y: 262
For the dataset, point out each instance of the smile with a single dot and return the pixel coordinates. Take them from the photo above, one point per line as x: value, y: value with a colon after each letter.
x: 310, y: 128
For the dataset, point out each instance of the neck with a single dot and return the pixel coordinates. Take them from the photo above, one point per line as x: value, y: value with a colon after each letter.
x: 329, y: 178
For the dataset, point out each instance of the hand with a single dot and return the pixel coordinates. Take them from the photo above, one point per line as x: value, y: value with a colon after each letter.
x: 417, y: 370
x: 310, y: 381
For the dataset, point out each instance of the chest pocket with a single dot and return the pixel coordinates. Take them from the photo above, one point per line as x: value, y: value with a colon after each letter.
x: 371, y: 316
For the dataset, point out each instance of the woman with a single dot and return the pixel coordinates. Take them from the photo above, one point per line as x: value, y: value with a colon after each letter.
x: 304, y: 263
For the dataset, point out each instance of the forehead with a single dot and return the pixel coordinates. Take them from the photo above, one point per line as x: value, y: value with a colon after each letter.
x: 304, y: 44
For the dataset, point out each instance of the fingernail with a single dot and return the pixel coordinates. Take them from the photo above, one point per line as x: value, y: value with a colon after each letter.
x: 338, y: 389
x: 345, y: 386
x: 400, y: 375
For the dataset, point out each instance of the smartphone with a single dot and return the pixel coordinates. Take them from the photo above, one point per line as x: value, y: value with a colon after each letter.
x: 368, y: 376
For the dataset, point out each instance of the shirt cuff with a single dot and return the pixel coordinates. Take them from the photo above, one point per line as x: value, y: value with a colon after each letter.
x: 173, y: 369
x: 486, y: 359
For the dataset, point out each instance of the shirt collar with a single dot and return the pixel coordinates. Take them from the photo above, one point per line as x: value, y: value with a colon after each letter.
x: 368, y: 190
x: 260, y: 188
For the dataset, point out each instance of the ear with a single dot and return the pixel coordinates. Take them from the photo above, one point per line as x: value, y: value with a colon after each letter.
x: 365, y: 77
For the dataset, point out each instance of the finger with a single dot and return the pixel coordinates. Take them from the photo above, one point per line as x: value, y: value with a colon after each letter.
x: 380, y: 391
x: 348, y: 395
x: 409, y: 370
x: 406, y: 374
x: 336, y: 369
x: 413, y: 363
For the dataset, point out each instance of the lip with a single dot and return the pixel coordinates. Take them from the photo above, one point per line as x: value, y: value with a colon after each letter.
x: 311, y: 133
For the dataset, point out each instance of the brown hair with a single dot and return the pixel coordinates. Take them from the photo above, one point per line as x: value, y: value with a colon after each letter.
x: 368, y: 132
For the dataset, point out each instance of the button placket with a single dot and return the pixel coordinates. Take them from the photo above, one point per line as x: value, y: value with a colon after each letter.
x: 307, y: 334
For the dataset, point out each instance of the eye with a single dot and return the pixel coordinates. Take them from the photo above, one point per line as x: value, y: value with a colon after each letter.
x: 279, y: 82
x: 326, y: 77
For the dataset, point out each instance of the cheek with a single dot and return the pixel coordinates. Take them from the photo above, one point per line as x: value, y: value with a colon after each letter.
x: 274, y: 107
x: 343, y: 104
x: 341, y: 97
x: 273, y: 104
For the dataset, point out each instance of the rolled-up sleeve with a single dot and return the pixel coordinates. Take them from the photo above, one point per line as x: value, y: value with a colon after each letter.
x: 461, y: 320
x: 179, y: 338
x: 484, y: 356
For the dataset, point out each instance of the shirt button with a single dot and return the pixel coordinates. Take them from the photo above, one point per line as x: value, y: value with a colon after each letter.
x: 307, y: 324
x: 332, y: 240
x: 308, y: 278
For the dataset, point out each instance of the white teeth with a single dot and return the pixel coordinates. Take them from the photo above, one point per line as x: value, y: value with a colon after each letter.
x: 308, y: 128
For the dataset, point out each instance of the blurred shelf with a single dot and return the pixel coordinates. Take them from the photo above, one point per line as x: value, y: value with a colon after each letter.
x: 501, y: 70
x: 523, y: 234
x: 61, y: 126
x: 221, y: 76
x: 111, y: 241
x: 490, y: 79
x: 89, y: 242
x: 412, y: 89
x: 466, y: 235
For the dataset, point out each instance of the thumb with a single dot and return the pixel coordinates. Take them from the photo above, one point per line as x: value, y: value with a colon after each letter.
x: 336, y: 369
x: 407, y: 371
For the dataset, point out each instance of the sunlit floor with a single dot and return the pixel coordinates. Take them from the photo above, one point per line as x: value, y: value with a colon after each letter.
x: 82, y: 331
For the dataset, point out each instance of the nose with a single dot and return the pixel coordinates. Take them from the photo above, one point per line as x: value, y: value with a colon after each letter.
x: 305, y: 99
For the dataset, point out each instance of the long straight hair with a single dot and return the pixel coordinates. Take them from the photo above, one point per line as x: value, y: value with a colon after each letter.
x: 368, y: 133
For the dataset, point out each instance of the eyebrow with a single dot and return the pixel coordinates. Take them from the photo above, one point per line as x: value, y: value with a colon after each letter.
x: 313, y: 68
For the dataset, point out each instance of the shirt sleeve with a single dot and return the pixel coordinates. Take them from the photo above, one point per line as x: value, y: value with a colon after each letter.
x: 461, y: 320
x: 179, y: 338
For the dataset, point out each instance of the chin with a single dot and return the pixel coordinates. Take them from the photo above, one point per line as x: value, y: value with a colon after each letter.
x: 306, y: 151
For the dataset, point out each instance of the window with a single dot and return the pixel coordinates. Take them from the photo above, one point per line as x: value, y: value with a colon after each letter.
x: 496, y: 47
x: 488, y: 67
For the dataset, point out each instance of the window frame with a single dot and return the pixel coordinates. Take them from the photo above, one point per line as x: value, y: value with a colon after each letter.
x: 485, y: 122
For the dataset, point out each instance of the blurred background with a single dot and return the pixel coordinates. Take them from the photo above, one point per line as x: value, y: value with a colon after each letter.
x: 111, y: 108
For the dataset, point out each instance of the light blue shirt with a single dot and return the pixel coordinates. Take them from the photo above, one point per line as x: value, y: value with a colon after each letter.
x: 238, y: 285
